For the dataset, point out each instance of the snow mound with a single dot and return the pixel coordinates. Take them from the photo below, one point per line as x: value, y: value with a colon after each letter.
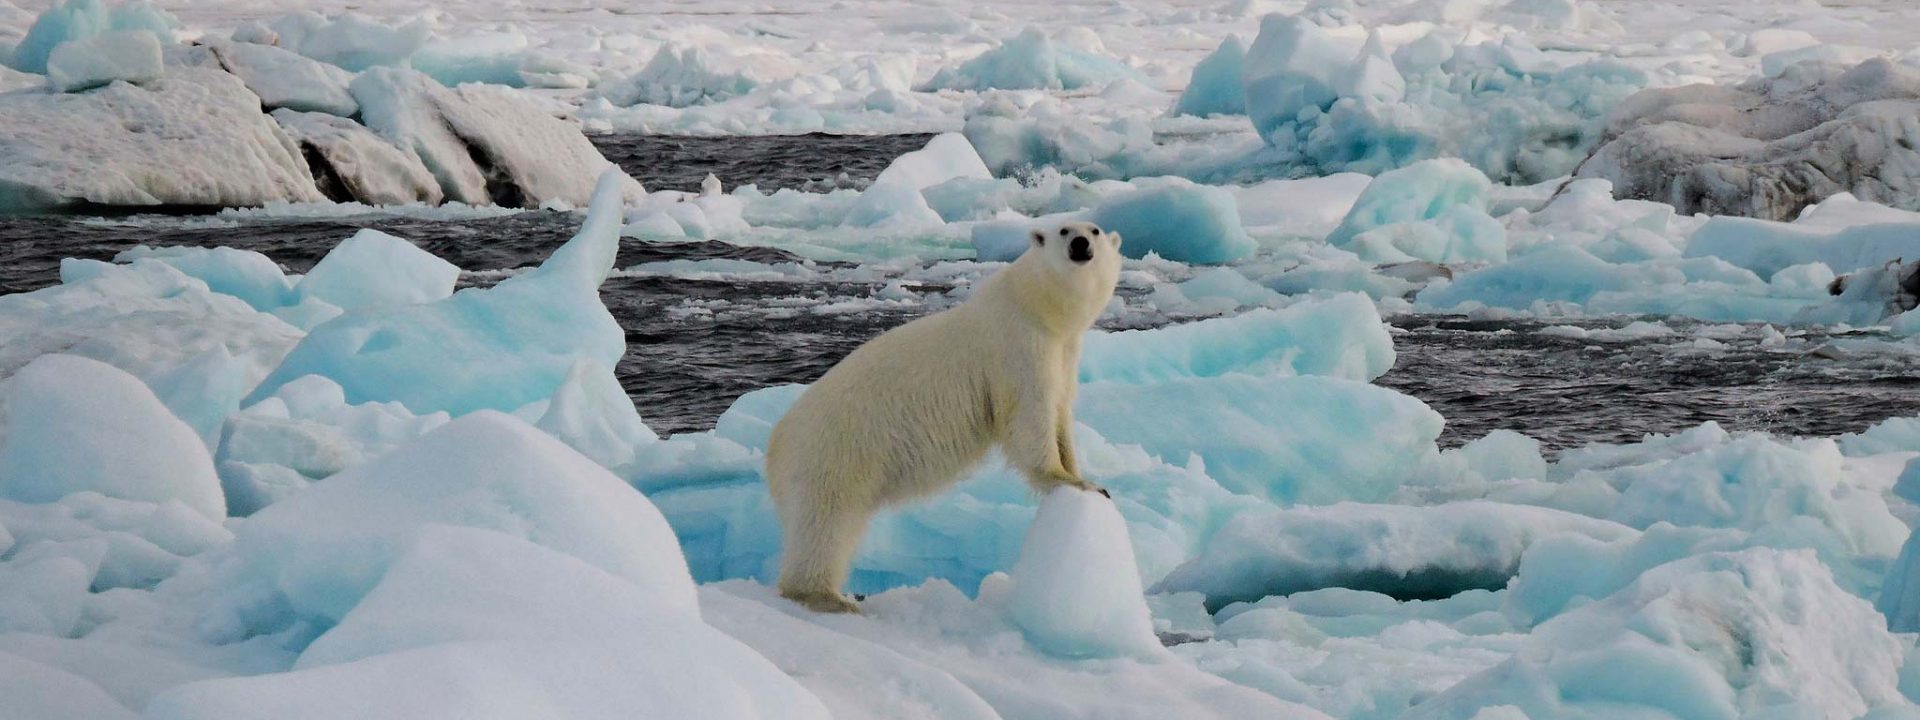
x: 322, y: 550
x: 1433, y: 210
x: 98, y: 147
x: 1402, y: 551
x: 1076, y: 591
x: 38, y: 692
x: 1177, y: 220
x: 502, y: 607
x: 1771, y: 147
x: 1215, y: 87
x: 517, y: 340
x: 1034, y: 61
x: 125, y: 56
x: 1759, y: 632
x: 306, y: 432
x: 76, y: 425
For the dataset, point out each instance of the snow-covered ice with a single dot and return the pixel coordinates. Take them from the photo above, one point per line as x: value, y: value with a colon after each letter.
x: 232, y: 491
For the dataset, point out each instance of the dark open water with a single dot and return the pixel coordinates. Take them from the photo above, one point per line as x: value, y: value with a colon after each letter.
x: 683, y: 370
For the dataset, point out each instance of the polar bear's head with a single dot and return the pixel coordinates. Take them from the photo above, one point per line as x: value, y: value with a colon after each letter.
x: 1078, y: 247
x: 1074, y: 267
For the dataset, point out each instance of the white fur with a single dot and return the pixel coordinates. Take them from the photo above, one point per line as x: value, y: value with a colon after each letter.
x: 911, y: 411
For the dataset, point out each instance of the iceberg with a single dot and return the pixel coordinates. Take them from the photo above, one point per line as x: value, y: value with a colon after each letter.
x: 352, y: 163
x: 1076, y: 591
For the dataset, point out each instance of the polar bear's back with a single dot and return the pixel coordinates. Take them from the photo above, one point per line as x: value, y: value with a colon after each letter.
x: 900, y: 417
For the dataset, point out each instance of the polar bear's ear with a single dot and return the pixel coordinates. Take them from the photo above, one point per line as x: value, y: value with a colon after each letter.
x: 1113, y: 238
x: 1039, y: 238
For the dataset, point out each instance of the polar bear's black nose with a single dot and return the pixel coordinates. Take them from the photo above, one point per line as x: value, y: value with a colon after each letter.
x: 1080, y: 251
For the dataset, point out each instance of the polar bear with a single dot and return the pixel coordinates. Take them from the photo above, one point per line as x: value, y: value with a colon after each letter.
x: 908, y: 413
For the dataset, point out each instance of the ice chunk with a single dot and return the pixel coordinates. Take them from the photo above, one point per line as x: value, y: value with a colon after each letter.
x: 1034, y: 61
x: 1406, y: 552
x: 99, y: 147
x: 893, y: 204
x: 1257, y: 437
x: 36, y: 692
x: 352, y: 41
x: 681, y: 76
x: 1505, y: 455
x: 1372, y: 76
x: 75, y: 424
x: 284, y: 79
x: 1215, y: 88
x: 306, y: 432
x: 1292, y: 67
x: 322, y: 550
x: 244, y: 274
x: 151, y: 320
x: 373, y: 270
x: 1434, y: 210
x: 1177, y: 220
x: 1076, y: 591
x: 352, y: 163
x: 1768, y: 247
x: 81, y: 19
x: 592, y: 413
x: 946, y: 157
x: 1721, y: 635
x: 484, y: 143
x: 128, y: 55
x: 1341, y: 337
x: 517, y: 339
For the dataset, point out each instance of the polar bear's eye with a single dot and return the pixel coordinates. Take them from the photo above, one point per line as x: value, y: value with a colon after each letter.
x: 1096, y: 232
x: 1063, y: 232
